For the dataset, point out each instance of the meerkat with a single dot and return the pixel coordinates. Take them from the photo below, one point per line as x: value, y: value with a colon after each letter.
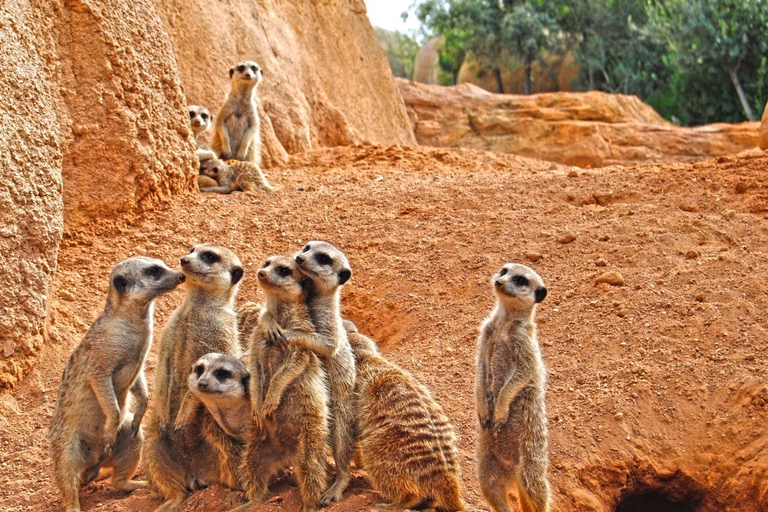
x: 200, y: 119
x: 205, y: 322
x: 221, y: 383
x: 248, y: 314
x: 237, y: 135
x: 92, y: 426
x: 407, y: 443
x: 232, y: 175
x: 510, y: 394
x: 288, y: 392
x: 328, y: 270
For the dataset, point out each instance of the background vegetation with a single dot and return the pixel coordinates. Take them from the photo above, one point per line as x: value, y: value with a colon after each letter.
x: 696, y: 61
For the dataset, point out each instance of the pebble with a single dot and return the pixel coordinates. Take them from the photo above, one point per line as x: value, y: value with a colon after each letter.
x: 533, y: 255
x: 67, y: 295
x: 749, y: 357
x: 603, y: 238
x: 600, y: 262
x: 619, y: 416
x: 691, y: 255
x: 611, y: 277
x: 700, y: 297
x: 573, y: 174
x: 566, y: 237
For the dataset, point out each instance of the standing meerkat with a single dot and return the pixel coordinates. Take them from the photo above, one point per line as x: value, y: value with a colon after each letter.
x: 407, y: 442
x: 205, y: 322
x: 328, y: 270
x: 200, y: 119
x: 510, y: 394
x: 288, y: 392
x: 232, y: 175
x: 92, y: 426
x: 237, y: 134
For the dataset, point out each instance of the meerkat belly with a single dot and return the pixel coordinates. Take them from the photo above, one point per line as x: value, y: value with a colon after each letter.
x: 237, y: 125
x: 502, y: 365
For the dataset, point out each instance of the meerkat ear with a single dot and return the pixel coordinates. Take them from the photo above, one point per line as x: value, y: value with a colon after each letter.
x: 121, y: 284
x: 344, y: 276
x: 246, y: 382
x: 237, y: 274
x: 231, y: 72
x: 540, y: 294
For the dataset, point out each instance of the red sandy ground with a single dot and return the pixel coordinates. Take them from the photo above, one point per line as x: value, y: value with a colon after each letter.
x: 657, y: 384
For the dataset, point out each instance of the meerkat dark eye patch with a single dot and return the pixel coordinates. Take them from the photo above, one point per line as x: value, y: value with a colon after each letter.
x: 155, y: 271
x: 204, y: 116
x: 246, y: 380
x: 121, y: 284
x: 323, y: 258
x: 191, y: 114
x: 520, y: 280
x: 540, y: 294
x: 503, y: 272
x: 199, y: 369
x: 253, y: 68
x: 241, y: 68
x: 283, y: 271
x: 215, y: 170
x: 344, y: 276
x: 209, y: 257
x: 236, y: 274
x: 222, y: 375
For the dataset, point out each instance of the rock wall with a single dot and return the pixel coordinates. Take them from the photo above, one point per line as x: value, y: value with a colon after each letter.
x: 591, y: 129
x: 31, y: 220
x: 326, y: 81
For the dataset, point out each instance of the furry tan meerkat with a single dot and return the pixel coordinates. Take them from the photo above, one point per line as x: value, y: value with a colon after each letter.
x: 221, y: 383
x: 237, y: 134
x: 233, y: 175
x: 288, y: 392
x: 205, y: 322
x: 510, y: 393
x: 89, y: 428
x: 328, y: 270
x: 248, y: 314
x: 407, y: 443
x: 200, y: 119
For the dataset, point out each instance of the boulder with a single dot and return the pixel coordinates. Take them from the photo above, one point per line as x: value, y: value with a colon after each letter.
x: 590, y: 129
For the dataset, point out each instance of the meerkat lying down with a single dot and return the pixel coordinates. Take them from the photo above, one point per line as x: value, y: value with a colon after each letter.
x: 231, y: 175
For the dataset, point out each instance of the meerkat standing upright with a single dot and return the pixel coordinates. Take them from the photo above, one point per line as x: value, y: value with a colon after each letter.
x: 237, y: 134
x: 92, y: 426
x: 328, y: 270
x: 510, y: 393
x: 205, y: 322
x: 200, y: 119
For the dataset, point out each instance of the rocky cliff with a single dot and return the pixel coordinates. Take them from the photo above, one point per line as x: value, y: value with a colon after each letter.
x: 591, y: 129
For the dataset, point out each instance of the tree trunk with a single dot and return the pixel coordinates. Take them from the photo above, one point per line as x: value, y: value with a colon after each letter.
x: 742, y: 96
x: 528, y: 79
x: 591, y: 78
x: 499, y: 83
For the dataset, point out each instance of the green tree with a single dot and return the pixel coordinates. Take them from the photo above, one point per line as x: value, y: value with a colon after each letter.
x: 400, y: 49
x: 731, y: 35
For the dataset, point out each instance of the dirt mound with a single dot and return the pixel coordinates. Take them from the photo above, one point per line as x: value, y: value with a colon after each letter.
x: 31, y: 221
x: 326, y: 81
x: 590, y: 129
x: 657, y: 389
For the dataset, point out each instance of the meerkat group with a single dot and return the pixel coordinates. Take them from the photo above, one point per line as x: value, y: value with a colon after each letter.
x: 233, y: 161
x: 243, y: 393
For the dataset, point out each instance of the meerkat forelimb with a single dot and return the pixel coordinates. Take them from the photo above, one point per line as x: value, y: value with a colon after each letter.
x: 328, y: 270
x: 510, y: 390
x: 200, y: 118
x: 205, y: 322
x: 289, y: 399
x: 407, y: 443
x: 92, y: 419
x: 237, y: 134
x: 231, y: 175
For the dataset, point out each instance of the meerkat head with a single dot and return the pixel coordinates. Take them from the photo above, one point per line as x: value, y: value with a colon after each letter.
x: 518, y: 286
x: 215, y: 268
x: 361, y: 345
x: 219, y: 377
x: 200, y: 119
x: 213, y: 168
x: 279, y: 276
x: 246, y: 72
x: 325, y: 265
x: 140, y: 280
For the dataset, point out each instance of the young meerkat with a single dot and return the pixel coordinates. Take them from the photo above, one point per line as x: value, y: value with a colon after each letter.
x: 200, y: 119
x: 407, y: 443
x: 205, y: 322
x: 510, y: 394
x: 328, y: 270
x: 232, y: 175
x: 237, y: 134
x: 92, y: 426
x: 220, y: 382
x: 288, y: 393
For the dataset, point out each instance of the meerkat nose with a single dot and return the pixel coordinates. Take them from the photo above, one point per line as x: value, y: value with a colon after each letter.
x: 182, y: 278
x: 203, y: 384
x: 262, y: 273
x: 184, y: 261
x: 498, y: 283
x: 299, y: 259
x: 541, y: 294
